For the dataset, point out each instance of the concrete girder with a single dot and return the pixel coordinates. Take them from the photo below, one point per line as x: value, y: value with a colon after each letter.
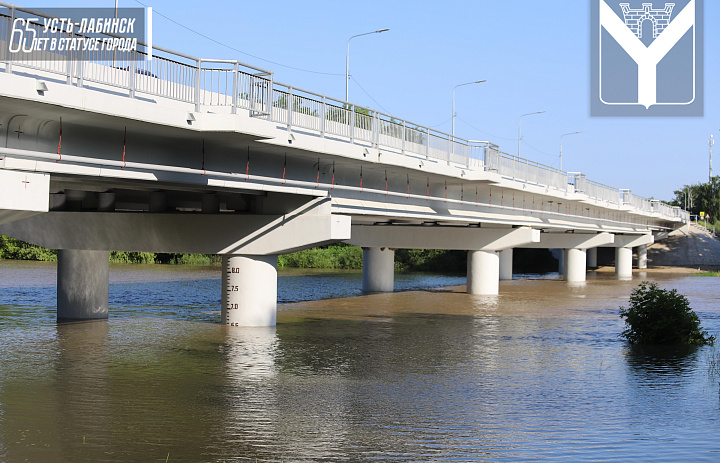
x: 631, y: 241
x: 181, y: 233
x: 434, y: 237
x: 573, y: 240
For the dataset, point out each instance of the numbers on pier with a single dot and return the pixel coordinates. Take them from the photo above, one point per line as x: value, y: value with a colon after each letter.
x: 233, y: 288
x: 232, y: 306
x: 234, y: 269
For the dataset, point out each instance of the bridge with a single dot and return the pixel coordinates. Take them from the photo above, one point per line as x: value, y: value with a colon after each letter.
x: 112, y: 151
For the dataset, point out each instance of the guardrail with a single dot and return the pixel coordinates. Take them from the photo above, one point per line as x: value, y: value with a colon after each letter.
x: 239, y: 86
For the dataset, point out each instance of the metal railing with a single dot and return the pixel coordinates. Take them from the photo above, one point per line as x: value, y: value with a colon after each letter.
x: 236, y: 85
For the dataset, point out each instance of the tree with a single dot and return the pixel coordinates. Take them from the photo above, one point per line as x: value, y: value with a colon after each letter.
x: 659, y: 316
x: 705, y: 197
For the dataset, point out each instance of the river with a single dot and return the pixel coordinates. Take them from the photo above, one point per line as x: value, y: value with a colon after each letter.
x: 426, y: 374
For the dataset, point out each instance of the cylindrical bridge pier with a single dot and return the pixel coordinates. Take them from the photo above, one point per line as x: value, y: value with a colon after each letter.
x: 249, y: 296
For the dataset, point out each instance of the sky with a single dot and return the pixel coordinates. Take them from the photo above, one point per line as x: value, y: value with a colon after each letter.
x: 534, y: 56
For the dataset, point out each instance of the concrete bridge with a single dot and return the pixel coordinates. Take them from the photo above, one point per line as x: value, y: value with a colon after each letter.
x: 110, y: 151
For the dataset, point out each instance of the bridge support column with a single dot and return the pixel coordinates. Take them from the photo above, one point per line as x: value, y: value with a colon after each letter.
x: 575, y: 265
x: 378, y: 269
x: 82, y: 284
x: 249, y: 295
x: 483, y: 272
x: 623, y: 262
x: 642, y: 256
x: 506, y: 264
x: 592, y: 258
x: 624, y: 245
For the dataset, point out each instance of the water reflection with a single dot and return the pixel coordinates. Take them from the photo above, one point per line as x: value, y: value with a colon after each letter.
x: 654, y: 362
x: 537, y: 372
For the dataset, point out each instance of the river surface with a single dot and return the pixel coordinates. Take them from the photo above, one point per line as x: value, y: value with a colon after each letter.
x: 427, y: 374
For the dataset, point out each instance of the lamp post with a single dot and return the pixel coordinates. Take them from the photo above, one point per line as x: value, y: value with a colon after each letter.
x: 453, y: 113
x: 520, y: 128
x: 711, y: 142
x: 561, y: 137
x: 347, y: 60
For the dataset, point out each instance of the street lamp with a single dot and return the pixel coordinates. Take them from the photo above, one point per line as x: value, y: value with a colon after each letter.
x: 561, y: 137
x: 453, y: 113
x: 520, y: 128
x: 347, y: 60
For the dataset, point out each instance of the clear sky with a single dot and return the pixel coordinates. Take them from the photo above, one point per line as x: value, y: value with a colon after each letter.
x: 535, y: 56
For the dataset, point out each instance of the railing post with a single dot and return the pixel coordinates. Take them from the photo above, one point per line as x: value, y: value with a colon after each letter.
x: 427, y: 144
x: 8, y: 68
x: 198, y: 71
x: 404, y: 135
x: 449, y: 146
x: 236, y: 90
x: 289, y: 110
x: 375, y: 129
x: 70, y: 67
x: 352, y: 124
x: 131, y: 78
x: 323, y: 117
x: 271, y: 87
x: 80, y: 73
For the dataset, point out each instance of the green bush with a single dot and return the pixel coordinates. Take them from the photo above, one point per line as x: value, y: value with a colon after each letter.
x: 659, y: 316
x: 337, y: 256
x: 10, y: 248
x: 430, y: 260
x: 122, y: 257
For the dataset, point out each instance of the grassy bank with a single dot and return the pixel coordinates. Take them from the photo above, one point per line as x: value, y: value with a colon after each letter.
x: 715, y: 273
x: 335, y: 256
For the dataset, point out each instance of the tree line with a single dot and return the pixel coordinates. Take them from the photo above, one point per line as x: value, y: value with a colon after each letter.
x: 700, y: 197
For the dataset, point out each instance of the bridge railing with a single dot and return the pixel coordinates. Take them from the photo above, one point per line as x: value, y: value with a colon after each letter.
x: 235, y: 85
x: 601, y: 192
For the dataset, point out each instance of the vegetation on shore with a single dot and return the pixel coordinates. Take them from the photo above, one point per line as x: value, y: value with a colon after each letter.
x: 336, y: 256
x: 660, y: 316
x: 700, y: 197
x: 712, y: 273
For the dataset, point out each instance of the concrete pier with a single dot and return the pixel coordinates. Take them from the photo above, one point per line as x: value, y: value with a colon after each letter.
x: 642, y: 252
x: 378, y: 269
x: 623, y: 262
x: 82, y: 284
x: 483, y: 272
x: 576, y: 265
x: 506, y: 264
x: 592, y: 258
x: 249, y: 296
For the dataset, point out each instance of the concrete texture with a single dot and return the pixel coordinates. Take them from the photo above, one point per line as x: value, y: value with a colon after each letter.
x: 694, y: 247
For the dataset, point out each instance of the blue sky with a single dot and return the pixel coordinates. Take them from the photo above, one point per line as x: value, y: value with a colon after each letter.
x: 535, y: 56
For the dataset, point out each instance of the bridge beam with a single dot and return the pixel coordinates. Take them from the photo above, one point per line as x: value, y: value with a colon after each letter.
x: 82, y: 284
x: 249, y: 295
x: 227, y: 233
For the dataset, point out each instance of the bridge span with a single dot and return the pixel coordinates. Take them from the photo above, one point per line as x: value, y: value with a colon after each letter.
x: 110, y: 151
